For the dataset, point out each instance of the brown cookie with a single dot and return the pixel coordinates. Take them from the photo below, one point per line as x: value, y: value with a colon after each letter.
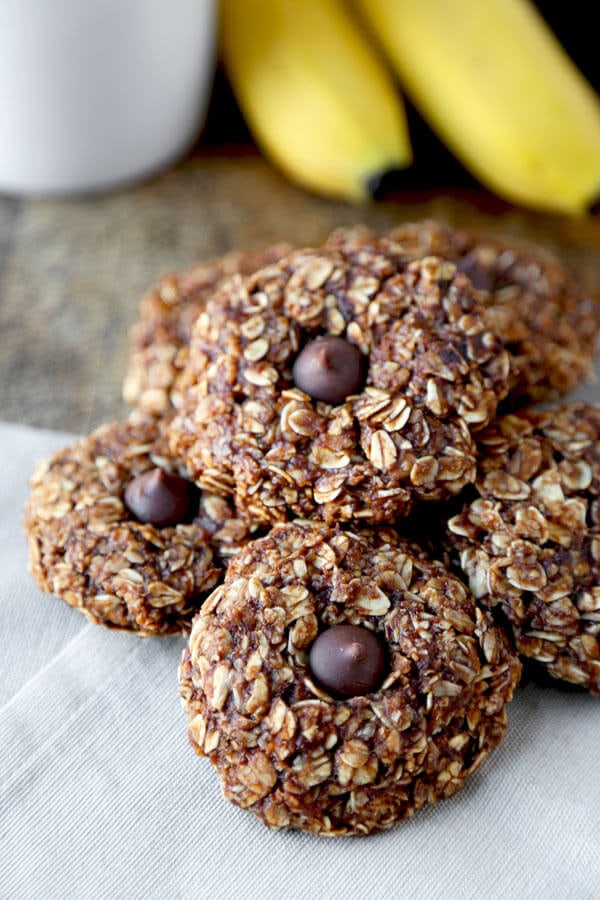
x: 339, y: 681
x: 529, y: 543
x: 531, y: 301
x: 115, y: 531
x: 418, y: 373
x: 160, y: 338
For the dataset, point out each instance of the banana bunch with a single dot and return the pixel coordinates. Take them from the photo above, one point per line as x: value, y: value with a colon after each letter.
x: 315, y: 81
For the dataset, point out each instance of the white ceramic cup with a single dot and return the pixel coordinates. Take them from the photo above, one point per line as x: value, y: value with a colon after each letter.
x: 98, y: 93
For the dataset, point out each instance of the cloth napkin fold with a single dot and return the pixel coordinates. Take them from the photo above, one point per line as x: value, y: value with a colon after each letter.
x: 102, y: 797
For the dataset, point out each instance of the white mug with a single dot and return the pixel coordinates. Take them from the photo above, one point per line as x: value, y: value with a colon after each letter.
x: 98, y: 93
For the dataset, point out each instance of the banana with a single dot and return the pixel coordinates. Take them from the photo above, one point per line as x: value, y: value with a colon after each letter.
x: 318, y: 99
x: 500, y: 91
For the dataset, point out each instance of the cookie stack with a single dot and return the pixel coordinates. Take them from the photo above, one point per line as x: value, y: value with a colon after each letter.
x: 334, y: 482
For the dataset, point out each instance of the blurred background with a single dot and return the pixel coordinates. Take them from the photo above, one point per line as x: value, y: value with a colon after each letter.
x: 74, y: 263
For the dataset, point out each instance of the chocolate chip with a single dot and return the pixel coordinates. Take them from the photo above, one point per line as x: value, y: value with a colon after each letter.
x: 348, y: 660
x: 479, y: 276
x: 161, y: 498
x: 329, y: 369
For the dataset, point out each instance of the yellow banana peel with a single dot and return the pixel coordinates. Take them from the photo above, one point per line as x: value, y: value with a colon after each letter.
x: 317, y: 97
x: 496, y: 85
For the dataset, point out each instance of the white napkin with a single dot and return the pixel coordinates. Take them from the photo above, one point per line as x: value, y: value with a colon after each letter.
x: 102, y: 797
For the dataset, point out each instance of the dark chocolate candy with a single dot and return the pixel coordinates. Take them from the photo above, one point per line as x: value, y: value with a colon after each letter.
x: 160, y: 498
x: 329, y: 369
x: 348, y: 660
x: 479, y: 276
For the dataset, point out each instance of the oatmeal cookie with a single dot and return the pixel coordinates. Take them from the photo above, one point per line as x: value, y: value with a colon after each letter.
x: 115, y: 531
x: 529, y: 543
x: 534, y: 304
x: 337, y: 386
x: 160, y: 339
x: 339, y: 681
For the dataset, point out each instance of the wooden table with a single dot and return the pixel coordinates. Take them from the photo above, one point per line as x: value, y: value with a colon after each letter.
x: 72, y: 270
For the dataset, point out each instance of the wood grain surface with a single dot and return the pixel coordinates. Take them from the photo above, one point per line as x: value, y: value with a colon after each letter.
x: 72, y: 270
